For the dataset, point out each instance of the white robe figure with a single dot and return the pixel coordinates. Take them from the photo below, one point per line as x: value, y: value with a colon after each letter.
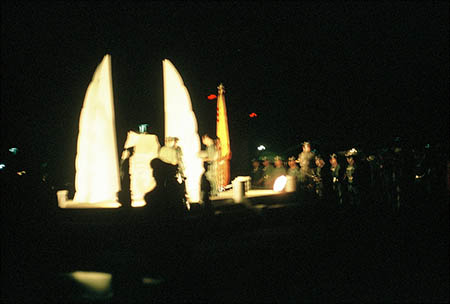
x: 146, y: 148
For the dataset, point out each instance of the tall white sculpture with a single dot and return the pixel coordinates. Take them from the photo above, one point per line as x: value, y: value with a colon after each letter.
x: 96, y: 164
x: 180, y: 121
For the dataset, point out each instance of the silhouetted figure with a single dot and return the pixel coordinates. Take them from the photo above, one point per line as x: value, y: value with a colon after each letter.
x: 125, y: 192
x: 205, y: 188
x: 167, y: 200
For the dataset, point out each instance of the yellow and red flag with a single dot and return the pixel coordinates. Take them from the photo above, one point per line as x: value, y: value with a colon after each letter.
x: 223, y: 168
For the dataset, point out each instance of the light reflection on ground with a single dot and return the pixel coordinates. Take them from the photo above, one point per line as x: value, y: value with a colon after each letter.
x: 99, y: 285
x: 92, y: 285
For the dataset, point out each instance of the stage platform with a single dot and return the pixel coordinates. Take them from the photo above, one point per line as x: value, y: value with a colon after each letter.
x: 253, y: 197
x: 225, y: 195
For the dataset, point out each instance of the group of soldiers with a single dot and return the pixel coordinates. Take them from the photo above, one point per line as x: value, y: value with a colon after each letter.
x: 390, y: 178
x: 308, y: 169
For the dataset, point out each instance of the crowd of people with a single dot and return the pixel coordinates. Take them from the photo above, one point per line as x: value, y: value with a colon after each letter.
x: 391, y: 178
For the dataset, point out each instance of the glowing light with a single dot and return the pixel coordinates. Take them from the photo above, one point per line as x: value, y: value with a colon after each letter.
x: 352, y: 151
x: 138, y: 203
x: 13, y: 150
x: 280, y: 183
x: 143, y: 128
x: 2, y: 166
x: 21, y: 172
x: 180, y: 121
x: 98, y: 282
x: 252, y: 115
x: 97, y: 165
x: 261, y: 148
x: 212, y: 97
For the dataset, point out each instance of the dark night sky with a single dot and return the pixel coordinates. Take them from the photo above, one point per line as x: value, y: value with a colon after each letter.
x: 337, y: 73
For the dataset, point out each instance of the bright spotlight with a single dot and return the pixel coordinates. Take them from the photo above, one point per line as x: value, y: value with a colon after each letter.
x: 261, y: 148
x: 280, y: 183
x: 2, y: 166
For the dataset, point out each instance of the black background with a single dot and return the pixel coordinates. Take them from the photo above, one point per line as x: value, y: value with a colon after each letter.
x: 339, y: 74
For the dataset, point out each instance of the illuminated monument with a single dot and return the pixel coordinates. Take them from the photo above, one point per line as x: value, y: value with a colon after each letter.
x: 97, y: 166
x: 180, y: 121
x: 96, y: 163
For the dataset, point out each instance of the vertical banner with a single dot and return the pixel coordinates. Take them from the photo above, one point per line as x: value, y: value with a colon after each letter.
x: 223, y: 165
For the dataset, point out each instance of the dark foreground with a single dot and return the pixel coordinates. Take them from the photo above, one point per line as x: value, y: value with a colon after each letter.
x: 272, y: 252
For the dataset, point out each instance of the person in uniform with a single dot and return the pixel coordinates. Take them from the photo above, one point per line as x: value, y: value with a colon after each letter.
x: 322, y: 178
x: 211, y: 157
x: 337, y: 176
x: 267, y: 173
x: 306, y: 161
x: 352, y: 179
x: 171, y: 153
x: 256, y: 174
x: 293, y: 169
x: 279, y: 168
x: 205, y: 188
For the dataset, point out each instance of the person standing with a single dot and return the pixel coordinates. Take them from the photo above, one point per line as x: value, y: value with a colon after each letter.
x: 293, y: 169
x: 166, y: 202
x: 279, y: 168
x: 337, y: 176
x: 205, y: 187
x: 256, y: 174
x: 322, y: 178
x: 352, y: 180
x: 171, y: 153
x: 306, y: 161
x: 211, y: 157
x: 267, y: 173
